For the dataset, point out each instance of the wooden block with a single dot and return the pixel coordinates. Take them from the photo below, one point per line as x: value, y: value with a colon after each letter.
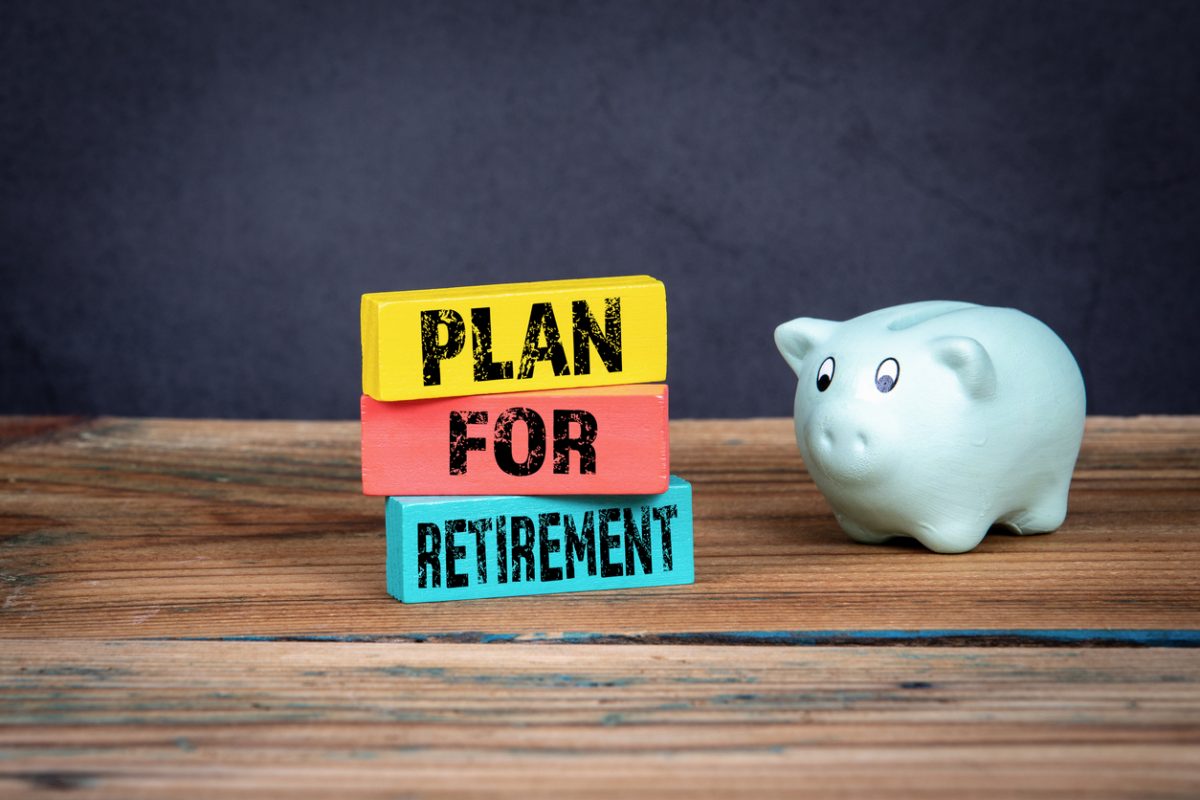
x: 514, y: 337
x: 445, y: 548
x: 607, y: 440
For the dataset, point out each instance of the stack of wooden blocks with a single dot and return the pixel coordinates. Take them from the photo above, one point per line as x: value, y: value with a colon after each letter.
x: 520, y: 434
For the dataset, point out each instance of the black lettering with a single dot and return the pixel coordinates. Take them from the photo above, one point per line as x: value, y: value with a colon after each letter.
x: 638, y: 540
x: 454, y: 579
x: 481, y: 344
x: 536, y: 434
x: 564, y: 442
x: 522, y: 548
x: 480, y: 527
x: 542, y: 322
x: 579, y: 546
x: 664, y: 515
x: 608, y: 342
x: 547, y: 546
x: 429, y: 564
x: 502, y: 549
x: 607, y: 568
x: 461, y: 442
x: 433, y: 353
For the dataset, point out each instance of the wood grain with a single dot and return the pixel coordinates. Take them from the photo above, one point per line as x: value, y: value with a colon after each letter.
x: 137, y: 718
x: 168, y: 528
x: 133, y: 551
x: 176, y: 528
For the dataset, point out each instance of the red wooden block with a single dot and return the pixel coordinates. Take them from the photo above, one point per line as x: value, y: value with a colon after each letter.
x: 610, y: 440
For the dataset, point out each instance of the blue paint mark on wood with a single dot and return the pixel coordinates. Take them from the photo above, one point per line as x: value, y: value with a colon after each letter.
x: 460, y: 548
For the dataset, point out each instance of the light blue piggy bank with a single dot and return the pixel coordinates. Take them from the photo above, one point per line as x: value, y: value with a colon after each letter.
x: 937, y: 420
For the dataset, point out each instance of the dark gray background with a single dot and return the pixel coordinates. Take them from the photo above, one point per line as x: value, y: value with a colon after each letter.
x: 194, y: 195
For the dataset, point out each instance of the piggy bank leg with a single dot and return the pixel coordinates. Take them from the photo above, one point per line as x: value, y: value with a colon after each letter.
x: 944, y: 537
x: 1046, y: 513
x: 950, y: 536
x: 860, y: 534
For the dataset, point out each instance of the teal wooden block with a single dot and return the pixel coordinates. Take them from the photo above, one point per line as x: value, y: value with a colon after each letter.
x: 461, y: 548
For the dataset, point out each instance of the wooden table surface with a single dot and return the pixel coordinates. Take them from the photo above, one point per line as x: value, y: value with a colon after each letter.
x: 198, y: 608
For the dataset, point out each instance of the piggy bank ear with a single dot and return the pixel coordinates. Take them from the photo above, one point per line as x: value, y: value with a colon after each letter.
x: 970, y: 361
x: 797, y: 339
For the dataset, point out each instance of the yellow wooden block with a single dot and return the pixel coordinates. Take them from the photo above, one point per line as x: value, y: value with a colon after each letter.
x: 514, y: 337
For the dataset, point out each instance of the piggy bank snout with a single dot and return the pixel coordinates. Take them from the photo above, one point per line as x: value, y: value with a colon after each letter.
x: 831, y: 435
x: 847, y: 446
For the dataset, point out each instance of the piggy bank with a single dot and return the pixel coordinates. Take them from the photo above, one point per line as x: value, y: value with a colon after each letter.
x: 937, y: 420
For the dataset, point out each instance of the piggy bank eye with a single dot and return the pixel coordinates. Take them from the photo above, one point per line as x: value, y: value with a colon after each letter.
x: 886, y: 375
x: 825, y: 374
